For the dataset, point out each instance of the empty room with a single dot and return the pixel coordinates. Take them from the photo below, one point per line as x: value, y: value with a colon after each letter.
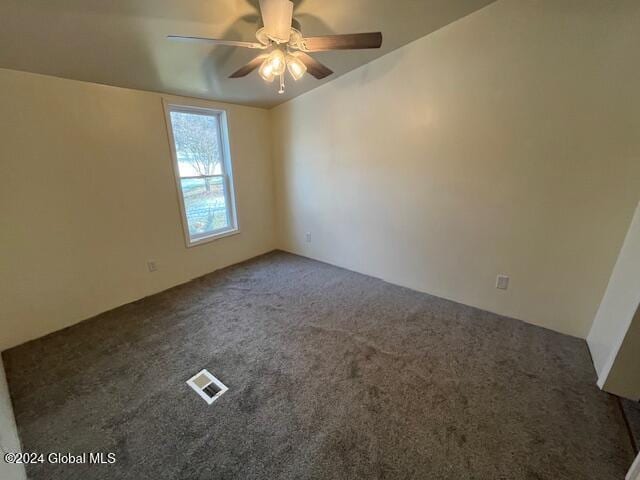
x: 319, y: 239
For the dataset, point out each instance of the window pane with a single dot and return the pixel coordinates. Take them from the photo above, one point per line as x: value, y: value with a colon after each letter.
x: 197, y: 140
x: 205, y: 205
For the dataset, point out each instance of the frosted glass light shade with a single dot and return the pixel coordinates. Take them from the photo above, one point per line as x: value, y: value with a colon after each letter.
x: 266, y: 71
x: 296, y: 68
x: 278, y: 63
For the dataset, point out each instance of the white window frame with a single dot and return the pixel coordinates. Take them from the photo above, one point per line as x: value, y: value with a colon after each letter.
x: 201, y: 107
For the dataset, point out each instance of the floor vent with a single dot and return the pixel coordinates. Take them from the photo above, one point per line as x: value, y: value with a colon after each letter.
x: 207, y: 386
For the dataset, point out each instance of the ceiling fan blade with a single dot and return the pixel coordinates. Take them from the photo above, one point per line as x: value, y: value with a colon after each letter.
x: 350, y: 41
x: 217, y: 41
x: 249, y: 67
x: 314, y: 67
x: 277, y: 16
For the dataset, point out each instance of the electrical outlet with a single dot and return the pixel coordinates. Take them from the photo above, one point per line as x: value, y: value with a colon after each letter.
x: 502, y: 282
x: 152, y: 265
x: 307, y: 237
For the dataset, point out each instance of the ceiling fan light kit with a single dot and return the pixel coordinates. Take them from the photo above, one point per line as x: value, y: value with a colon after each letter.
x: 289, y: 48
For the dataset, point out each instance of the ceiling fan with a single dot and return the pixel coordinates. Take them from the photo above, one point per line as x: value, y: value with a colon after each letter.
x: 286, y: 48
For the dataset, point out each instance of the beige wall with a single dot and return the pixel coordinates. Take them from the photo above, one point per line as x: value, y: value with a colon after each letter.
x: 614, y: 339
x: 506, y: 142
x: 88, y: 196
x: 9, y: 441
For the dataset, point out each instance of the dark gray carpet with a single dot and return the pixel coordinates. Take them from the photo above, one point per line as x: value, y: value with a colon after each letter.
x: 332, y: 375
x: 632, y: 412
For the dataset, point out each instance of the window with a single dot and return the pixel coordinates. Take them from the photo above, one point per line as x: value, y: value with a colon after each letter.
x: 200, y: 148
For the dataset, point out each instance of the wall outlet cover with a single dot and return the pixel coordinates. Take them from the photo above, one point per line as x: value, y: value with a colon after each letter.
x: 502, y: 282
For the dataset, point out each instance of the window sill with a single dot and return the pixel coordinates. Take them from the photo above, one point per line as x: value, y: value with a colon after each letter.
x: 212, y: 237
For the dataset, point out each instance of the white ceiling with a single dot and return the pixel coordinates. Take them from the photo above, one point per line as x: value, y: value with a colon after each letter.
x: 122, y: 42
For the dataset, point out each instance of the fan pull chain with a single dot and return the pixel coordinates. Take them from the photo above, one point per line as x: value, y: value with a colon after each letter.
x: 281, y: 91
